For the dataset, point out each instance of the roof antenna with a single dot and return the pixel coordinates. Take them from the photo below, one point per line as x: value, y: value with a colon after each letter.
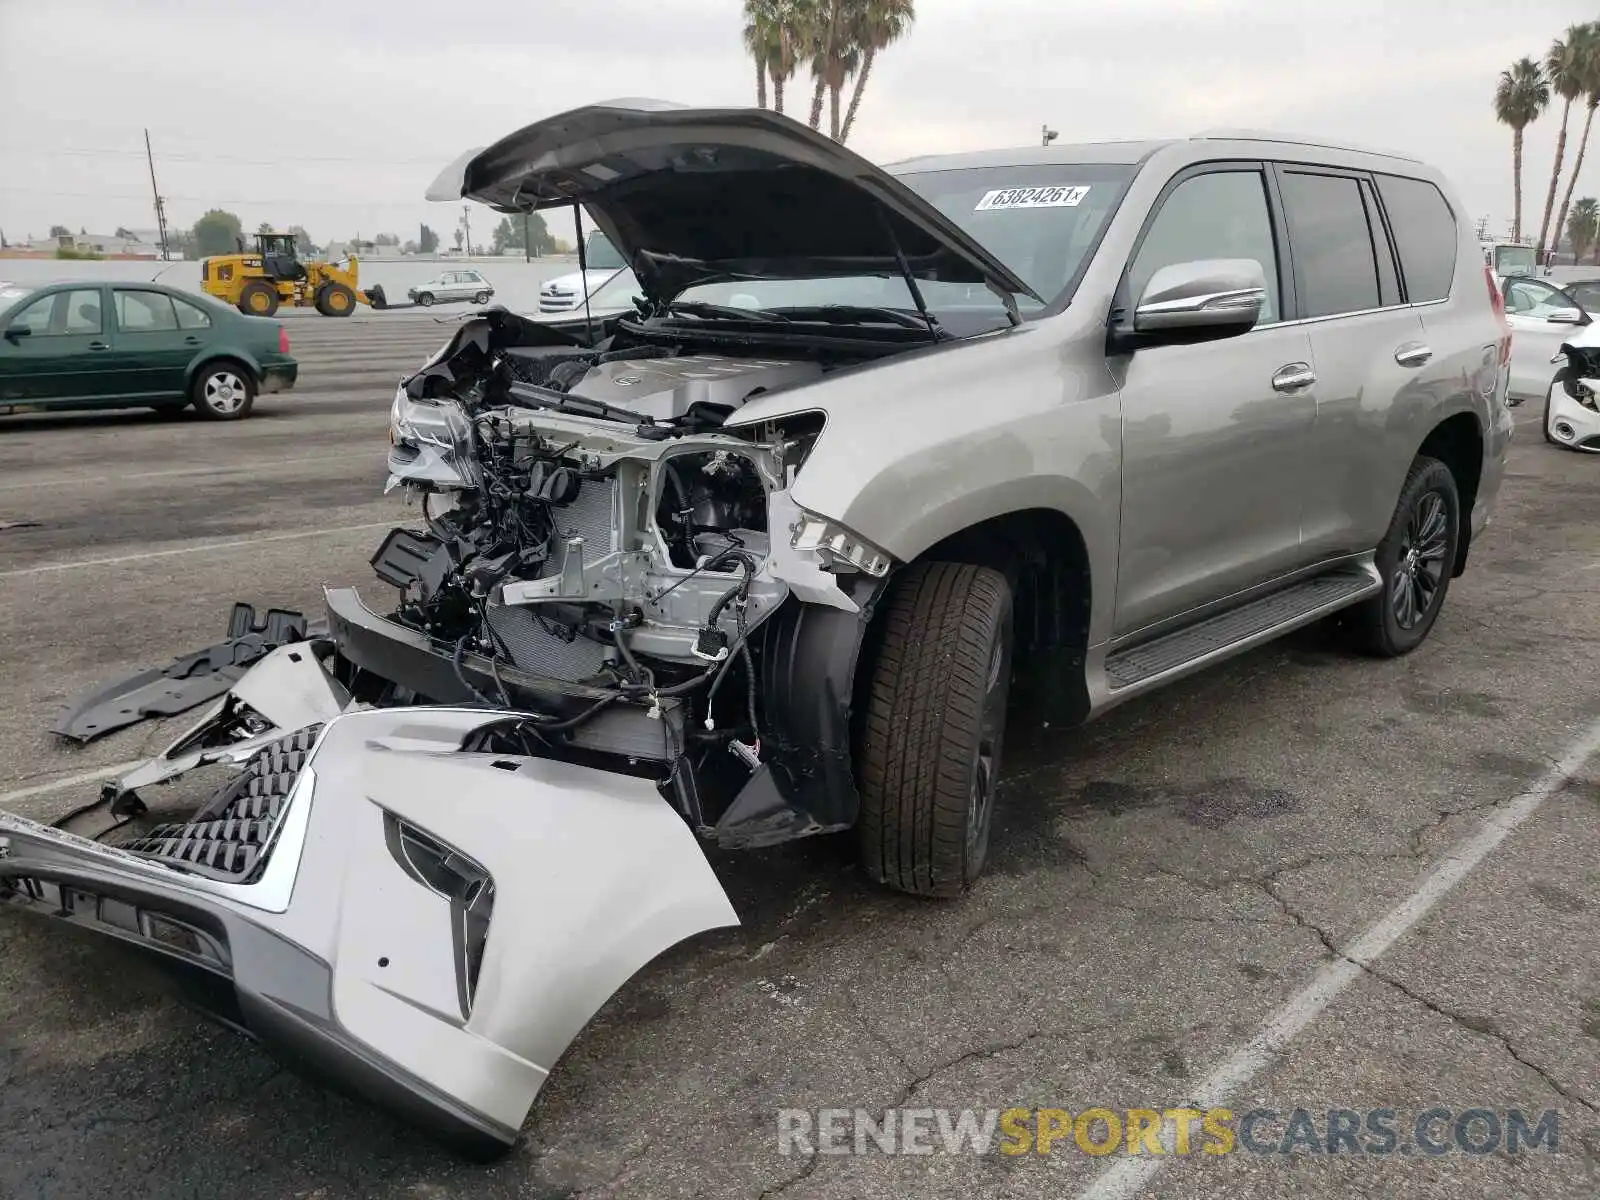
x: 583, y: 272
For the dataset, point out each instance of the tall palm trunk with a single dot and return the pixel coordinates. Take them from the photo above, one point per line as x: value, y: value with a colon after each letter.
x: 1555, y: 176
x: 833, y: 109
x: 855, y: 95
x: 816, y: 101
x: 1516, y: 184
x: 761, y: 84
x: 1572, y: 180
x: 777, y: 93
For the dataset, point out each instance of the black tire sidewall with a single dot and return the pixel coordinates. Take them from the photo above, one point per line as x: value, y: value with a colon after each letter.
x: 1427, y: 475
x: 976, y: 855
x: 481, y: 298
x: 425, y: 299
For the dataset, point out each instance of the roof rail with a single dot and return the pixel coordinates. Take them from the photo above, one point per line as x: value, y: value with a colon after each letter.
x: 1265, y: 135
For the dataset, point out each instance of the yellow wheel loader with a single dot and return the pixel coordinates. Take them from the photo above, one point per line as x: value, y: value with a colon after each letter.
x: 257, y: 283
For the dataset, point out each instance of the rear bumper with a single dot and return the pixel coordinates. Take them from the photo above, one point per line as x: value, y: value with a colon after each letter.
x: 342, y: 955
x: 279, y: 377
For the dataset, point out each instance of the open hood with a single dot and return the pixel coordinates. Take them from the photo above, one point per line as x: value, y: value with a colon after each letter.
x: 695, y: 195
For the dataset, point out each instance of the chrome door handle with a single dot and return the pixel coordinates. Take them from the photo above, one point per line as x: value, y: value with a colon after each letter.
x: 98, y: 346
x: 1294, y: 377
x: 1412, y: 354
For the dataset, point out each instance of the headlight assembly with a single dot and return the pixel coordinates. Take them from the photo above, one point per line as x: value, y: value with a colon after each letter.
x: 433, y: 442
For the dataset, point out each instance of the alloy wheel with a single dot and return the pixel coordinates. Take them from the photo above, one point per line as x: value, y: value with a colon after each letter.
x: 1420, y: 565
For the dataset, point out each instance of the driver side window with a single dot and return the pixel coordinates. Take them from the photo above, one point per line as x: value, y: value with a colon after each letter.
x: 1220, y: 214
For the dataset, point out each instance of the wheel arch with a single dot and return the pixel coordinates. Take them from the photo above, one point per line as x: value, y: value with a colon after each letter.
x: 213, y: 355
x: 1457, y: 442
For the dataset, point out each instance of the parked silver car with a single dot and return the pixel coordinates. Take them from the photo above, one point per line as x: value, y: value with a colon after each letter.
x: 602, y: 264
x: 882, y: 454
x: 467, y: 283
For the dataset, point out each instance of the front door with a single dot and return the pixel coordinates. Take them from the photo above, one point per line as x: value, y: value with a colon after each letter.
x: 150, y: 346
x: 1541, y: 318
x: 1214, y: 435
x: 56, y: 347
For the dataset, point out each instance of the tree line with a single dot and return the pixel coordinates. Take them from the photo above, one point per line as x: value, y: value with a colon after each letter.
x: 836, y: 41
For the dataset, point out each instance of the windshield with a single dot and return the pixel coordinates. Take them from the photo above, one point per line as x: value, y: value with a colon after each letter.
x: 1515, y: 260
x: 600, y: 255
x: 1041, y: 221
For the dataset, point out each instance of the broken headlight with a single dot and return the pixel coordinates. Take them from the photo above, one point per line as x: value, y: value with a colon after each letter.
x: 432, y: 442
x: 836, y: 548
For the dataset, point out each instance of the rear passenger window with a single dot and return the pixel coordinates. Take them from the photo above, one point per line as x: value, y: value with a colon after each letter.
x: 1335, y: 265
x: 1426, y: 235
x: 145, y: 312
x: 1220, y: 214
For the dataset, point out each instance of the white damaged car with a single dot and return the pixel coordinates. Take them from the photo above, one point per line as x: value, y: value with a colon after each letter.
x: 1571, y: 408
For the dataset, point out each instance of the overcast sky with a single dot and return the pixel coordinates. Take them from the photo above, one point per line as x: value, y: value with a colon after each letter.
x: 336, y: 114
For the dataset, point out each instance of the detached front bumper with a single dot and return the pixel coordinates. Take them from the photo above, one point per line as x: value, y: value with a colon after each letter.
x: 428, y: 928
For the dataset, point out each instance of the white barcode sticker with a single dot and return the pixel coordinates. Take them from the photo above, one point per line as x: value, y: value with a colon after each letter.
x: 1032, y: 197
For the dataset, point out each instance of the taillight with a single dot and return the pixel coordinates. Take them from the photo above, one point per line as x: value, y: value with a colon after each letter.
x: 283, y: 340
x: 1498, y: 302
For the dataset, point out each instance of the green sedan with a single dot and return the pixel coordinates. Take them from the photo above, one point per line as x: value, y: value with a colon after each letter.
x: 135, y: 345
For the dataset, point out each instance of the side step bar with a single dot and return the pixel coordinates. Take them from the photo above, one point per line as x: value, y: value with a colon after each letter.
x: 1239, y: 629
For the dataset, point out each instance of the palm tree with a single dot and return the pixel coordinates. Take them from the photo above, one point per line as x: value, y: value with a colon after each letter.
x: 760, y: 36
x: 792, y: 20
x: 1589, y: 72
x: 1583, y: 227
x: 1564, y: 66
x: 878, y: 25
x: 834, y: 56
x: 1520, y: 96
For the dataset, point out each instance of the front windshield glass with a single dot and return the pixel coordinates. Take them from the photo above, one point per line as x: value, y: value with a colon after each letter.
x: 1515, y: 260
x: 600, y: 255
x: 1041, y: 221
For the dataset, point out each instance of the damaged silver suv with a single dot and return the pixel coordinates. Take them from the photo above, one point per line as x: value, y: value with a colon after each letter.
x: 879, y: 454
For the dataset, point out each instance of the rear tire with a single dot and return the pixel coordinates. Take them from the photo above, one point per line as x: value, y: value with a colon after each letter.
x: 425, y: 299
x: 934, y: 726
x: 481, y: 298
x: 223, y: 390
x: 258, y: 299
x: 1416, y: 559
x: 335, y: 300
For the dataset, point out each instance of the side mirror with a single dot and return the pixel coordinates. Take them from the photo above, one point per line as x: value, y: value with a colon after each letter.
x: 1567, y: 316
x: 1198, y: 301
x: 13, y: 332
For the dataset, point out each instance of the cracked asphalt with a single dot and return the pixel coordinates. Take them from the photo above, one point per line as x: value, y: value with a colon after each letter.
x: 1160, y: 882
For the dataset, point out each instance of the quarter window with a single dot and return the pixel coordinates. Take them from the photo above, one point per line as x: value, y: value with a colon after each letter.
x: 1336, y: 268
x: 145, y: 312
x: 1220, y: 214
x: 1425, y: 234
x: 191, y: 316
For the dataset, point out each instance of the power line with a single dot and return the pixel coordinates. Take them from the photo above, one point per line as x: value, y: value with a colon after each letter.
x: 184, y: 157
x: 244, y: 200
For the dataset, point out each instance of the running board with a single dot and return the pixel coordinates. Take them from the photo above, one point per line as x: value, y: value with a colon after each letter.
x: 1239, y: 629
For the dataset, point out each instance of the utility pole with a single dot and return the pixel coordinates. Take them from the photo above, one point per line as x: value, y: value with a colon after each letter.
x: 1047, y: 135
x: 161, y: 209
x: 527, y: 248
x: 466, y: 227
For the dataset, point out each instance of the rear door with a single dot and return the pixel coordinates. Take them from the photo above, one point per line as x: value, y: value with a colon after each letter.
x: 150, y: 346
x: 65, y: 355
x: 1368, y: 351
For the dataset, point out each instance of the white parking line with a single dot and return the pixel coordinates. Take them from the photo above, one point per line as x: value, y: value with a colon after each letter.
x: 110, y: 771
x: 116, y: 560
x: 1130, y: 1176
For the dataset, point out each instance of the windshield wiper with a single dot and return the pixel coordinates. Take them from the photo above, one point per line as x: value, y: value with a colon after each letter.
x: 892, y: 316
x: 698, y: 308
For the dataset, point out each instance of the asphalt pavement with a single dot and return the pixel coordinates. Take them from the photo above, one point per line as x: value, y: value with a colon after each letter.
x: 1171, y: 897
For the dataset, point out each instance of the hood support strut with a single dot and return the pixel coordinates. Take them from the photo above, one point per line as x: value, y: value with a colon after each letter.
x: 583, y: 271
x: 905, y: 271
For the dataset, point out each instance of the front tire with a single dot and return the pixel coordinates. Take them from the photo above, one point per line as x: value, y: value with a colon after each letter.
x: 223, y: 391
x: 425, y: 299
x: 929, y: 752
x: 335, y: 300
x: 1416, y: 559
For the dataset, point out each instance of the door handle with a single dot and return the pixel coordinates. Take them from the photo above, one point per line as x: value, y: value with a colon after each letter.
x: 1413, y: 354
x: 98, y: 346
x: 191, y: 340
x: 1294, y: 377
